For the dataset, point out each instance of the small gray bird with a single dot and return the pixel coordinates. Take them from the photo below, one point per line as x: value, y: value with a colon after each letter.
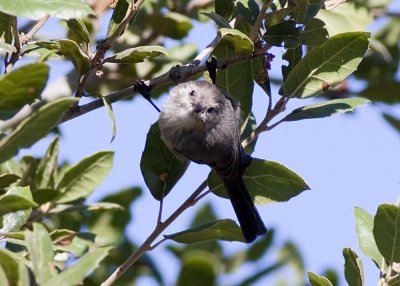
x: 201, y: 123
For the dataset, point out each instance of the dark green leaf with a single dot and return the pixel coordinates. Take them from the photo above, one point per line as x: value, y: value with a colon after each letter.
x: 137, y: 55
x: 47, y: 168
x: 161, y: 170
x: 325, y: 109
x: 6, y: 33
x: 41, y: 253
x: 292, y: 56
x: 248, y: 9
x: 224, y: 229
x: 316, y: 280
x: 314, y: 33
x: 42, y: 121
x: 17, y: 198
x: 366, y: 241
x: 386, y: 230
x: 28, y: 166
x: 237, y: 40
x: 326, y: 65
x: 249, y: 281
x: 7, y: 179
x: 218, y: 19
x: 79, y: 29
x: 80, y: 180
x: 75, y: 274
x: 36, y: 9
x: 20, y: 87
x: 71, y: 51
x: 284, y: 34
x: 353, y: 268
x: 42, y: 196
x: 266, y: 181
x: 118, y: 16
x: 393, y: 121
x: 172, y: 24
x: 10, y: 267
x: 225, y: 8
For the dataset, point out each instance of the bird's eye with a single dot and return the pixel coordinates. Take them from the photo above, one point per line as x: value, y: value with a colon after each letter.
x: 210, y: 110
x: 192, y: 92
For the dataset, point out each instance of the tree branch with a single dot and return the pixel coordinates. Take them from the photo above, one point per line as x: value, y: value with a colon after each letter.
x: 153, y: 236
x: 256, y: 28
x: 39, y: 24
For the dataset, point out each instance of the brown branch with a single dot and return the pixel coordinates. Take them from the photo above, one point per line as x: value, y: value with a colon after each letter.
x: 153, y: 236
x: 256, y: 28
x: 39, y: 24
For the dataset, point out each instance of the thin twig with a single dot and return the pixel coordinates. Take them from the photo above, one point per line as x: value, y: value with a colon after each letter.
x: 17, y: 44
x: 256, y: 28
x: 152, y: 237
x: 39, y: 24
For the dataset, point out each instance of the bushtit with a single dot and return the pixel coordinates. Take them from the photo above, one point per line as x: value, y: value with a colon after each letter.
x: 201, y: 123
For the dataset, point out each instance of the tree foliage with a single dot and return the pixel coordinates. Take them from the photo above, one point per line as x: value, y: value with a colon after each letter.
x: 52, y: 236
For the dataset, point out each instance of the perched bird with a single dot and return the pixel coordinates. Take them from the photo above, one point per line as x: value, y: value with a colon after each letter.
x: 201, y: 123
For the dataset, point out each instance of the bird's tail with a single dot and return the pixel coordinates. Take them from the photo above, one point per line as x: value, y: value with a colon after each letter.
x: 246, y: 212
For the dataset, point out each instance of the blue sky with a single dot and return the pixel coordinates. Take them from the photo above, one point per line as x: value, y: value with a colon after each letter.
x: 348, y: 160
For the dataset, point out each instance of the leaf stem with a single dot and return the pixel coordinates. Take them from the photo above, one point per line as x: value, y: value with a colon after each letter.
x: 261, y: 15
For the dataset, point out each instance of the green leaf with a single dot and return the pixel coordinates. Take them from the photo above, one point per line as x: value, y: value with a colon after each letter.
x: 41, y: 253
x: 118, y: 16
x: 7, y: 179
x: 347, y: 17
x: 18, y: 207
x: 20, y: 87
x: 80, y: 180
x: 47, y: 168
x: 75, y: 274
x: 325, y: 109
x: 236, y: 79
x: 137, y: 55
x: 42, y: 121
x: 353, y: 268
x: 365, y: 236
x: 326, y: 65
x: 292, y: 56
x: 225, y: 8
x: 161, y: 170
x: 42, y: 196
x: 314, y: 33
x: 218, y: 19
x: 36, y: 9
x: 199, y: 268
x: 10, y: 267
x: 247, y: 128
x: 171, y: 24
x: 224, y: 229
x: 248, y: 9
x: 266, y: 181
x: 258, y: 248
x: 6, y: 36
x: 392, y: 120
x: 111, y: 115
x: 71, y: 51
x: 284, y: 34
x: 386, y: 230
x: 316, y: 280
x: 17, y: 198
x: 239, y: 41
x: 79, y: 29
